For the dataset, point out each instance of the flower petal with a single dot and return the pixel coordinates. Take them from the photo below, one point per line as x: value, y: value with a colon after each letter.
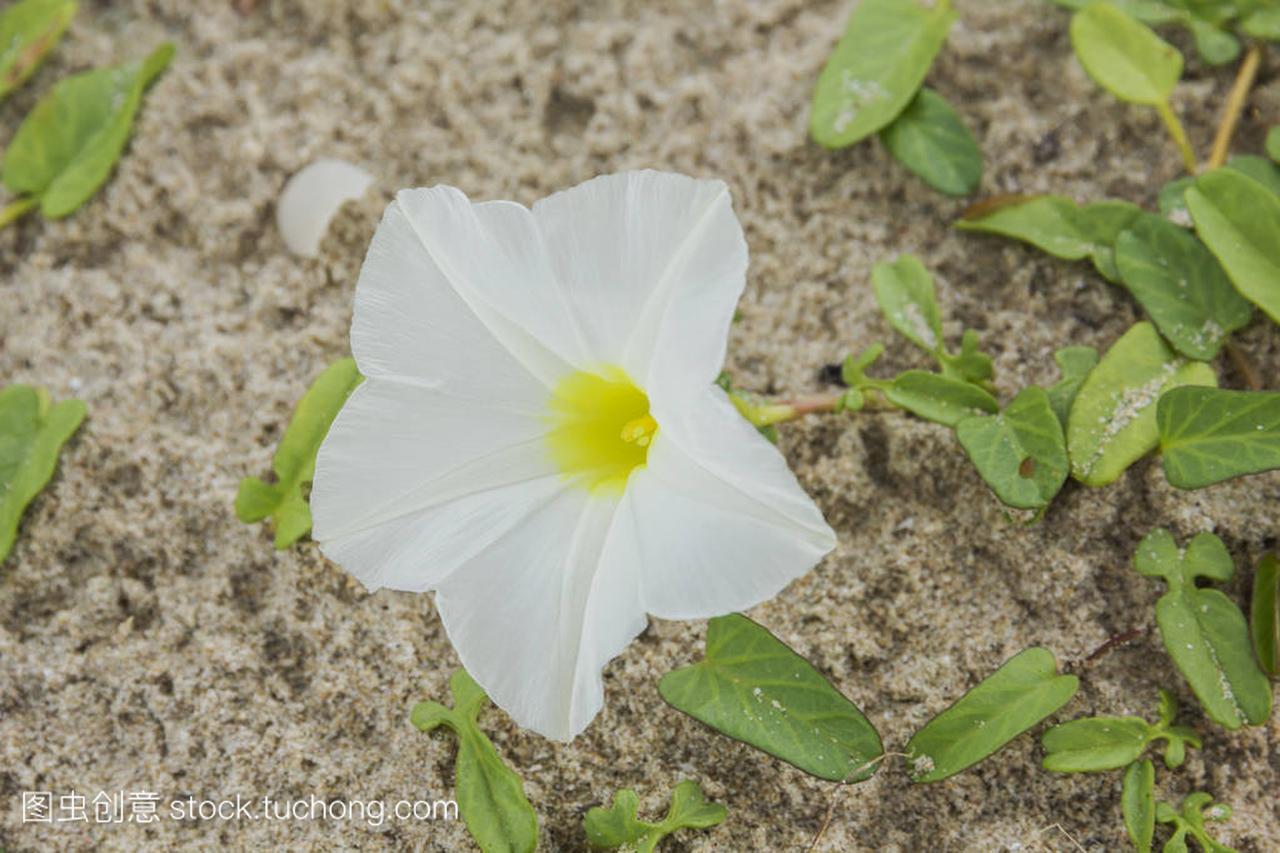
x: 718, y: 520
x: 460, y: 296
x: 400, y: 452
x: 536, y: 616
x: 654, y: 264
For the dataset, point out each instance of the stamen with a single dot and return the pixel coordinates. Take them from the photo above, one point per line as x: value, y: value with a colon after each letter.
x: 639, y: 431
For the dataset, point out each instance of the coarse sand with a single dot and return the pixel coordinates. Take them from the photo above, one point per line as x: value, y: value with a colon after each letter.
x: 151, y: 642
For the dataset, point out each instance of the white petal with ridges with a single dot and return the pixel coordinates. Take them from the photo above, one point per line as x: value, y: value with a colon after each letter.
x: 536, y: 616
x: 719, y: 520
x: 653, y: 264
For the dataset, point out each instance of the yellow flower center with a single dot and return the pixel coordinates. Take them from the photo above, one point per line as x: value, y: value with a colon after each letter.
x: 602, y: 428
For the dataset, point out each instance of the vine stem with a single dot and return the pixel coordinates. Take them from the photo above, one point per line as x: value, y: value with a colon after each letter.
x: 15, y: 209
x: 1179, y: 135
x: 1235, y: 105
x: 1243, y: 366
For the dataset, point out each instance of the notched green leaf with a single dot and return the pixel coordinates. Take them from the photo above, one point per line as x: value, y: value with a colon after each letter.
x: 753, y: 688
x: 1239, y: 220
x: 1021, y: 453
x: 1015, y: 697
x: 32, y: 432
x: 931, y: 140
x: 294, y: 463
x: 1264, y: 615
x: 29, y: 29
x: 490, y: 794
x: 1208, y: 435
x: 1189, y: 819
x: 1113, y: 419
x: 66, y: 147
x: 876, y: 68
x: 1203, y: 631
x: 620, y: 825
x: 1094, y: 744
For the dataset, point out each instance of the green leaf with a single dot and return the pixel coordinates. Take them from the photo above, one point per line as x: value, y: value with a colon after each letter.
x: 1147, y: 11
x: 1262, y: 24
x: 876, y: 68
x: 930, y: 139
x: 1173, y: 200
x: 1123, y: 56
x: 1137, y: 801
x: 65, y: 149
x: 1215, y: 45
x: 970, y: 365
x: 1189, y: 820
x: 1058, y: 226
x: 1273, y: 144
x: 1015, y: 697
x: 939, y: 398
x: 1074, y: 363
x: 29, y: 29
x: 1203, y: 631
x: 1021, y: 453
x: 1094, y: 744
x: 294, y: 463
x: 1264, y: 615
x: 619, y: 824
x: 1113, y: 419
x: 904, y: 291
x: 490, y: 794
x: 32, y: 432
x: 1260, y: 169
x: 1239, y: 220
x: 854, y: 370
x: 753, y: 688
x: 1209, y: 435
x: 1180, y: 284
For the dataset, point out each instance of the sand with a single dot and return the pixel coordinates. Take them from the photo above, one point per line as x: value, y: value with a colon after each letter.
x: 151, y: 642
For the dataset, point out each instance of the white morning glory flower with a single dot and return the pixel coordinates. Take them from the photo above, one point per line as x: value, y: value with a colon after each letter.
x: 540, y: 440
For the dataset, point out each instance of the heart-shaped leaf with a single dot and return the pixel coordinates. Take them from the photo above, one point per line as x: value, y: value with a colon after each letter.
x: 1021, y: 453
x: 1239, y: 220
x: 1203, y: 631
x: 65, y: 149
x: 1015, y: 697
x: 876, y: 68
x: 1180, y: 284
x: 1209, y: 435
x: 753, y: 688
x: 1113, y: 419
x: 930, y: 139
x: 32, y: 432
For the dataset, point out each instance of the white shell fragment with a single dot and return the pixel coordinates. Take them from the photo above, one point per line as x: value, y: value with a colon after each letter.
x: 310, y: 199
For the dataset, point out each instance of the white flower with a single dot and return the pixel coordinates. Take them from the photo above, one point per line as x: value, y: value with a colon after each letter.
x: 540, y: 440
